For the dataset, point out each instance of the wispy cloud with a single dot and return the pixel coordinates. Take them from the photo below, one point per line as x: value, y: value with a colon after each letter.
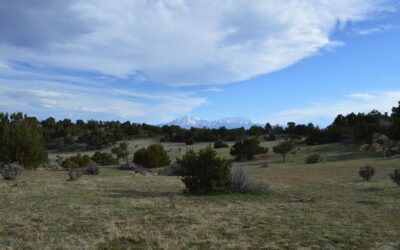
x: 213, y: 89
x: 377, y: 29
x: 62, y: 99
x: 325, y: 112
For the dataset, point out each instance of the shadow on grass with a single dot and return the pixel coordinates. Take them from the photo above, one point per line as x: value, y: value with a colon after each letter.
x: 138, y: 194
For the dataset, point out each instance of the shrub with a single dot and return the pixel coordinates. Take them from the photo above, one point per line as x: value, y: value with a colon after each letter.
x: 366, y: 172
x: 128, y: 166
x: 104, y: 158
x: 92, y: 169
x: 152, y: 157
x: 204, y: 171
x: 75, y: 173
x: 175, y: 169
x: 10, y: 171
x: 22, y: 141
x: 283, y: 148
x: 247, y: 149
x: 121, y: 151
x: 239, y: 182
x: 314, y: 158
x: 189, y: 141
x: 395, y: 176
x: 140, y: 157
x: 77, y: 161
x: 220, y: 144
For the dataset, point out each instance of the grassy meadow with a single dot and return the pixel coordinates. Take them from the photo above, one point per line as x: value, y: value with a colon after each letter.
x: 317, y: 206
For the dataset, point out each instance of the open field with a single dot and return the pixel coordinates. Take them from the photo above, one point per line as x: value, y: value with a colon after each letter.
x: 319, y: 206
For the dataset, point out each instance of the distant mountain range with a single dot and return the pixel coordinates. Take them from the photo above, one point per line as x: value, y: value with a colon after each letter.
x: 229, y: 122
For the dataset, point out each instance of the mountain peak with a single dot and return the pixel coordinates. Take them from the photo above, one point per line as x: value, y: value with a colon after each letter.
x: 228, y: 122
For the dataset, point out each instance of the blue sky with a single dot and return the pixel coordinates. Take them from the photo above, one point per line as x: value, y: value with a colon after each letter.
x: 153, y: 61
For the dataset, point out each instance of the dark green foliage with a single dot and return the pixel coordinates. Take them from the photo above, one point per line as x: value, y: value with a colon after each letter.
x: 366, y: 172
x: 92, y: 169
x: 283, y: 148
x: 75, y: 173
x: 77, y: 161
x: 204, y: 171
x: 220, y: 144
x: 395, y: 176
x: 189, y: 141
x: 247, y: 149
x: 121, y: 151
x: 394, y: 129
x: 140, y: 156
x: 153, y: 157
x: 312, y: 159
x: 239, y: 182
x: 22, y: 140
x: 10, y: 171
x: 104, y: 158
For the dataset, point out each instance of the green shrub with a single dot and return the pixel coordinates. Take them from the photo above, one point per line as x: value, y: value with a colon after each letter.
x: 121, y: 151
x: 204, y: 171
x: 152, y: 157
x: 104, y: 158
x: 283, y: 148
x: 220, y: 144
x: 247, y: 149
x: 77, y: 161
x: 10, y: 171
x: 395, y: 176
x: 22, y: 140
x: 312, y: 159
x: 239, y: 182
x: 366, y: 172
x: 140, y: 156
x: 189, y: 141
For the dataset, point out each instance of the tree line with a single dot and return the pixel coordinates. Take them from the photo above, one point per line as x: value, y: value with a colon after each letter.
x: 25, y: 139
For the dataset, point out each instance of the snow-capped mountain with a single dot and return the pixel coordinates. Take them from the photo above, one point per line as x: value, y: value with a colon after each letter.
x: 229, y: 122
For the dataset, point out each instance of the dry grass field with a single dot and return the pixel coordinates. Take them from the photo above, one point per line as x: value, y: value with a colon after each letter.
x: 318, y: 206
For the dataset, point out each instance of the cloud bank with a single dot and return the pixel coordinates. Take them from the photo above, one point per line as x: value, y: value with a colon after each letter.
x: 175, y: 42
x: 324, y: 113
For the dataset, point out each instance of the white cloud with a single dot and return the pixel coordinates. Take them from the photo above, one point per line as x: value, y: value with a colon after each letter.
x: 377, y: 29
x: 178, y: 42
x: 326, y: 112
x: 80, y: 101
x: 363, y: 96
x: 213, y: 89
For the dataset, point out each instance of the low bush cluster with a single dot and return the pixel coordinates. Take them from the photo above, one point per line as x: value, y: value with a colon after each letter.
x: 312, y: 159
x: 239, y: 182
x: 77, y: 161
x: 121, y: 151
x: 247, y: 149
x: 75, y: 174
x: 92, y: 169
x: 366, y: 172
x: 78, y: 165
x: 128, y: 166
x: 205, y: 171
x: 152, y: 157
x: 10, y: 171
x: 220, y: 144
x: 104, y: 158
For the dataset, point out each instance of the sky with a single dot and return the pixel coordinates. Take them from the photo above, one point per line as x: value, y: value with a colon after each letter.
x: 155, y: 60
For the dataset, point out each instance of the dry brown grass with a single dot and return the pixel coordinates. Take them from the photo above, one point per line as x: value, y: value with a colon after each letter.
x: 320, y: 206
